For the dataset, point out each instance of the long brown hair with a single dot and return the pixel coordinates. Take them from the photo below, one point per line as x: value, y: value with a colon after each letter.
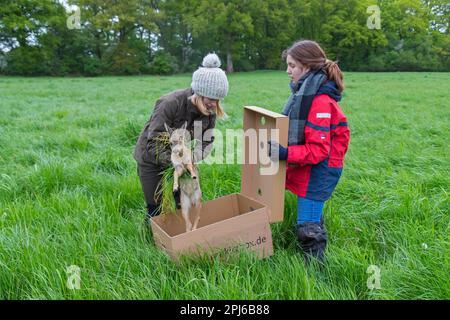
x: 311, y: 55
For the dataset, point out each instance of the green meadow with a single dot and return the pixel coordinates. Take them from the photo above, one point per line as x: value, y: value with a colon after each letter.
x: 70, y: 195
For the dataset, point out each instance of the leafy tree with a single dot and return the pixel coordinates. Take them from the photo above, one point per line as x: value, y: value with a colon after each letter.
x: 165, y: 36
x: 228, y: 24
x: 274, y: 24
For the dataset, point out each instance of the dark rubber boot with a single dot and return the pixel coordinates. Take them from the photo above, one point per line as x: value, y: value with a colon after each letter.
x: 312, y: 238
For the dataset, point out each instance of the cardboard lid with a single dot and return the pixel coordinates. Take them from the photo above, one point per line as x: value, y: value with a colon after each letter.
x: 263, y: 179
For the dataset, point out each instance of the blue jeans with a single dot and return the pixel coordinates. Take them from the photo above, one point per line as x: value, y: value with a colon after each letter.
x: 309, y: 210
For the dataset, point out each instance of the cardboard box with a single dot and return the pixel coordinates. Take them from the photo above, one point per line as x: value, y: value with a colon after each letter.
x: 265, y: 188
x: 240, y: 220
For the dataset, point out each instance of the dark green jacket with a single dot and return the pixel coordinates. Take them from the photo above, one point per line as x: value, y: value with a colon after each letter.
x: 174, y: 109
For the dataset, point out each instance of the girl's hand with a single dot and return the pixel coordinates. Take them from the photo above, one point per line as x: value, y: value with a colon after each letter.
x: 277, y: 151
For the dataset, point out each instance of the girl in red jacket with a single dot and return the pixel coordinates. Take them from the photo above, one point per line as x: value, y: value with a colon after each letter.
x: 318, y: 139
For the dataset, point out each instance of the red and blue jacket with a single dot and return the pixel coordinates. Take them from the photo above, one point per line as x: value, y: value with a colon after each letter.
x: 314, y: 168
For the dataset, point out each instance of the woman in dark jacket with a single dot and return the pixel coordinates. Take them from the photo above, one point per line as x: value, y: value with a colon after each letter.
x: 198, y: 107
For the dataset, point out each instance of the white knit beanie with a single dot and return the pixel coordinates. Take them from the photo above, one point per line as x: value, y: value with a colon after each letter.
x: 210, y: 81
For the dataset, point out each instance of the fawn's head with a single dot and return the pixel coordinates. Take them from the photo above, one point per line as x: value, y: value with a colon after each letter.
x: 178, y: 137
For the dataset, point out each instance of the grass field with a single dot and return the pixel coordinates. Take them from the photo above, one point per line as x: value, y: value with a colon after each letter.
x: 69, y: 194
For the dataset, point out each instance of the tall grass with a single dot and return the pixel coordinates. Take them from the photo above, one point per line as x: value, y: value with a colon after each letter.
x: 70, y: 195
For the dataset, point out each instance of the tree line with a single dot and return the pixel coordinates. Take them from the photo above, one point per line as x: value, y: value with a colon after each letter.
x: 49, y: 37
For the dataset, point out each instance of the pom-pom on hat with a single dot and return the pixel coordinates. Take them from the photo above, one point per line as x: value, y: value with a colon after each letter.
x: 209, y: 80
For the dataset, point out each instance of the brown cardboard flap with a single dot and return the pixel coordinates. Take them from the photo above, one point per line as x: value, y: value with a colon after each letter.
x: 243, y: 227
x: 255, y: 236
x: 214, y: 211
x: 262, y: 179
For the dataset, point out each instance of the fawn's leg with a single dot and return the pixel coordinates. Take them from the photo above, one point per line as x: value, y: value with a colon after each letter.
x: 176, y: 175
x: 185, y: 206
x: 198, y: 209
x: 191, y: 170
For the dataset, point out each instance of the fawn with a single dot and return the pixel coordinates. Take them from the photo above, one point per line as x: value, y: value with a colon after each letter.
x: 188, y: 187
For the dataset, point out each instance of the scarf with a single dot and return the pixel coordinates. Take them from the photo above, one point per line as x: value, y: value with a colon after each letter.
x: 299, y: 103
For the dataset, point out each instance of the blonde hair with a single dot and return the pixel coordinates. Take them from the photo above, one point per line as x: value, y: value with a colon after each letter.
x: 198, y: 102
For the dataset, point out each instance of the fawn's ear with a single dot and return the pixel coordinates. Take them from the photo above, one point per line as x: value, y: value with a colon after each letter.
x: 184, y: 125
x: 168, y: 128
